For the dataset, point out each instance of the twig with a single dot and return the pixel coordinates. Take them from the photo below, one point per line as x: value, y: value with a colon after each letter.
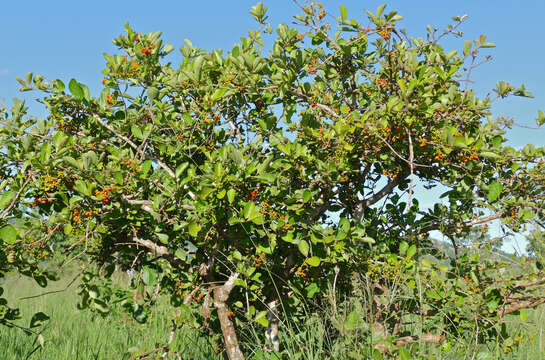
x: 14, y: 201
x: 411, y: 166
x: 54, y: 291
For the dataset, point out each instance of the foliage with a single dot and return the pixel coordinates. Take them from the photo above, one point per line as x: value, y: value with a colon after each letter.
x: 240, y: 183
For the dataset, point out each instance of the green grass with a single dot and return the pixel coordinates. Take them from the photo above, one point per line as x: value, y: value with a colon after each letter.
x: 75, y: 334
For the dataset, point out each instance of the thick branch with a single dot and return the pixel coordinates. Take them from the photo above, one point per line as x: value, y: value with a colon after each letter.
x: 522, y: 304
x: 425, y: 338
x: 482, y: 220
x: 387, y: 189
x: 221, y: 294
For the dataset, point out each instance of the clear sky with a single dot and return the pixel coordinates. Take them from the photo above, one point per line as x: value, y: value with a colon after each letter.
x: 66, y: 39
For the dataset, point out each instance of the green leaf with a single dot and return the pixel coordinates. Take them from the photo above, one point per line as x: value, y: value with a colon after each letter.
x: 368, y: 240
x: 231, y: 195
x: 7, y: 198
x: 76, y: 89
x: 494, y: 190
x: 136, y: 131
x: 67, y: 228
x: 145, y: 168
x: 41, y: 340
x: 489, y: 155
x: 45, y: 153
x: 270, y: 178
x: 153, y: 92
x: 59, y: 140
x: 38, y: 319
x: 380, y: 10
x: 194, y: 228
x: 162, y: 238
x: 218, y: 170
x: 100, y: 306
x: 467, y: 47
x: 181, y: 254
x: 249, y: 210
x: 459, y: 142
x: 313, y: 261
x: 488, y: 45
x: 527, y: 214
x: 307, y: 195
x: 541, y: 118
x: 411, y: 251
x: 343, y: 13
x: 149, y: 275
x: 181, y: 168
x: 312, y: 289
x: 261, y: 318
x: 118, y: 176
x: 344, y: 225
x: 40, y: 279
x: 60, y: 85
x: 218, y: 94
x: 303, y: 247
x: 352, y: 320
x: 168, y: 49
x: 8, y: 234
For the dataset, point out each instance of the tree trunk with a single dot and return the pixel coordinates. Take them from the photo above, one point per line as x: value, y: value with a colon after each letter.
x: 221, y: 294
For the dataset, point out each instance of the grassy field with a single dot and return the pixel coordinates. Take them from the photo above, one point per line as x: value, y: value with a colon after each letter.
x: 74, y: 334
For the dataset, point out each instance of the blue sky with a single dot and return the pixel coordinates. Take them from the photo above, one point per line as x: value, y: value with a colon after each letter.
x: 66, y: 39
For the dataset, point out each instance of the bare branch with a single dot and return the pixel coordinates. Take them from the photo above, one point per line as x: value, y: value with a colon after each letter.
x: 383, y: 192
x: 482, y: 220
x: 146, y: 203
x: 14, y: 201
x: 522, y: 304
x: 411, y: 166
x: 236, y: 130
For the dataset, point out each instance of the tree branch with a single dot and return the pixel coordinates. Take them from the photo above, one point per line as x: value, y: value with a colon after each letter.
x: 388, y: 188
x: 522, y: 304
x: 146, y: 203
x: 14, y: 201
x: 159, y: 250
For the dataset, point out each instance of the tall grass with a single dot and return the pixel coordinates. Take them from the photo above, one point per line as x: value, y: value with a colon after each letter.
x: 75, y: 334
